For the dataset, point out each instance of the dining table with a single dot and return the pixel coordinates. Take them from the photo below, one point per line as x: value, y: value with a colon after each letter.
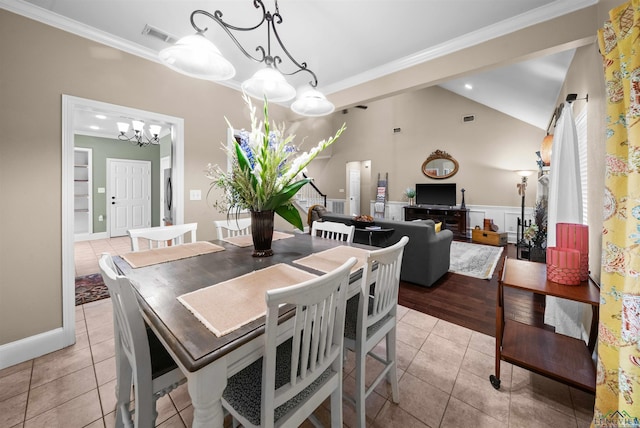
x: 208, y: 359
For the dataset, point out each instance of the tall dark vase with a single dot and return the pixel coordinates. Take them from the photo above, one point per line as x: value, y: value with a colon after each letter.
x: 262, y: 233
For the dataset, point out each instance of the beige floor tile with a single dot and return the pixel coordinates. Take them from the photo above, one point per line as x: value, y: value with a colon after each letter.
x: 393, y: 416
x: 59, y: 391
x: 103, y: 350
x: 410, y: 334
x: 443, y: 349
x: 16, y: 368
x: 173, y: 422
x: 165, y: 409
x: 101, y: 333
x: 12, y: 410
x: 541, y: 389
x: 452, y: 332
x: 483, y: 343
x: 401, y: 312
x: 78, y: 412
x: 108, y: 400
x: 96, y: 424
x: 526, y: 412
x: 106, y: 370
x: 477, y: 392
x: 405, y: 355
x: 373, y: 404
x: 437, y: 372
x: 187, y: 416
x: 420, y: 320
x: 461, y: 415
x: 483, y: 365
x: 60, y: 363
x: 15, y: 383
x: 180, y: 397
x: 422, y: 400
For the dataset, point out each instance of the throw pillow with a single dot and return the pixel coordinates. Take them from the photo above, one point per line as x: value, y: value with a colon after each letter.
x: 438, y: 226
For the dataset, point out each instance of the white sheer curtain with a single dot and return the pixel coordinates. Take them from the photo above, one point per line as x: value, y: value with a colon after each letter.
x: 565, y: 206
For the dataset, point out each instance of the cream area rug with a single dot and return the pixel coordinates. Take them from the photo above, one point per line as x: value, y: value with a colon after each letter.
x: 478, y: 261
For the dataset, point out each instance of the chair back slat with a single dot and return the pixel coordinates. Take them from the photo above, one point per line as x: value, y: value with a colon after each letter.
x: 318, y: 328
x: 333, y: 230
x: 387, y: 263
x: 232, y: 227
x: 162, y: 236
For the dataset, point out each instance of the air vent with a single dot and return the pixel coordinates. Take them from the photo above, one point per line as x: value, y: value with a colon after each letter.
x: 159, y: 34
x: 468, y: 118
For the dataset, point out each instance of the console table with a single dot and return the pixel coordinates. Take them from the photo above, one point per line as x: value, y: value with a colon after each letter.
x: 553, y: 355
x: 452, y: 218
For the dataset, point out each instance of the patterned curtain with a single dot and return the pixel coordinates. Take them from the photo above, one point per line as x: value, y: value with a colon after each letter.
x: 618, y: 378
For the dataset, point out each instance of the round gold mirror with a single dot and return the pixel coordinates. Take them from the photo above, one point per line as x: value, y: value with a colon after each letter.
x: 440, y: 165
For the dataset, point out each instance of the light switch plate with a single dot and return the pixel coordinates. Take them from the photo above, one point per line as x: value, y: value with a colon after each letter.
x: 100, y: 189
x: 195, y: 195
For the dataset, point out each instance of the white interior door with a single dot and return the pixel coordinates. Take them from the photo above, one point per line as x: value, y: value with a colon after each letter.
x: 353, y: 188
x: 129, y: 195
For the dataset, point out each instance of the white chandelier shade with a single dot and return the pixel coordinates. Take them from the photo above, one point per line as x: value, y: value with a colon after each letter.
x: 269, y: 83
x: 197, y: 57
x: 311, y: 102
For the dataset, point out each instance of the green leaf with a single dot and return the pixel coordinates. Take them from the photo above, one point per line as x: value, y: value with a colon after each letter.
x: 290, y: 214
x: 285, y: 194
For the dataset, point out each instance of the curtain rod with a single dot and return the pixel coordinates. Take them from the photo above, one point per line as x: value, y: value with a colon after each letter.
x: 556, y: 113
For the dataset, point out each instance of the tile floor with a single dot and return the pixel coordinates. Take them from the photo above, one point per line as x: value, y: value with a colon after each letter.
x: 87, y: 253
x: 443, y: 372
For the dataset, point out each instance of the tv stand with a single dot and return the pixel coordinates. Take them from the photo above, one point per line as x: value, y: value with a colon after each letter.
x: 452, y: 218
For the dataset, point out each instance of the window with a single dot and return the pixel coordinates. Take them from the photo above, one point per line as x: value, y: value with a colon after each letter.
x: 581, y: 131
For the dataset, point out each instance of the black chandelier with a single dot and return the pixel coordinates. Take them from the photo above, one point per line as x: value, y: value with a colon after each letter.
x: 196, y: 56
x: 139, y: 137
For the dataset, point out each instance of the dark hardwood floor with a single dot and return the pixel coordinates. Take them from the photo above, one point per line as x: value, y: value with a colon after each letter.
x: 471, y: 302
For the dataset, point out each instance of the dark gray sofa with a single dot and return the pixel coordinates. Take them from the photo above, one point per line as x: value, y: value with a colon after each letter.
x: 426, y: 256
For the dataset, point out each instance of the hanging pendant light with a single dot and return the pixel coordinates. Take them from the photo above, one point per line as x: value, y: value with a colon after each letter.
x: 197, y: 57
x: 269, y: 83
x: 311, y: 102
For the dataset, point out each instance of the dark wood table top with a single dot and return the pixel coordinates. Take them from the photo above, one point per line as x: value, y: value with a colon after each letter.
x: 158, y: 287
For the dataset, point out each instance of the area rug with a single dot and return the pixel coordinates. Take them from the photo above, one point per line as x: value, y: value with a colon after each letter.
x: 475, y: 260
x: 90, y: 288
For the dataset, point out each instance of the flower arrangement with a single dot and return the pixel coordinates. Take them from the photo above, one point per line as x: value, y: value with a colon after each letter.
x: 265, y: 165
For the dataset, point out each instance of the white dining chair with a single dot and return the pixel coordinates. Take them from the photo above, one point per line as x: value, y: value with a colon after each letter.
x: 302, y: 363
x: 141, y: 360
x: 232, y: 227
x: 371, y: 317
x: 333, y: 230
x: 162, y: 236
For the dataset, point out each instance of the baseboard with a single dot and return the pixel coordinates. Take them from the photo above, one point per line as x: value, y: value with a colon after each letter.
x: 32, y: 347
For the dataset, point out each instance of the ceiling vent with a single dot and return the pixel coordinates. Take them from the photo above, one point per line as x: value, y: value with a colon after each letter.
x: 468, y: 118
x: 159, y: 34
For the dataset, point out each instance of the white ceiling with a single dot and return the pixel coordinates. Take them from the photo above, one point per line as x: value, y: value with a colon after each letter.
x: 345, y: 42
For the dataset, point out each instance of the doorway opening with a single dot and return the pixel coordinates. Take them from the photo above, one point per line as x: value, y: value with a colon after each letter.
x: 72, y: 107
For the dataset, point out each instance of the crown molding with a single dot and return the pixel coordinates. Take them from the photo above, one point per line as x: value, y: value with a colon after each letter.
x: 527, y: 19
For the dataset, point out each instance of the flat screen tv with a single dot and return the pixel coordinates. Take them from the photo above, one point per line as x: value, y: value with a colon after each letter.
x: 436, y: 194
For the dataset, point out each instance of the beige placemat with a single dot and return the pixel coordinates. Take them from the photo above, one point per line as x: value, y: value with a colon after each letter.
x: 328, y: 260
x: 169, y: 254
x: 227, y: 306
x: 247, y: 240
